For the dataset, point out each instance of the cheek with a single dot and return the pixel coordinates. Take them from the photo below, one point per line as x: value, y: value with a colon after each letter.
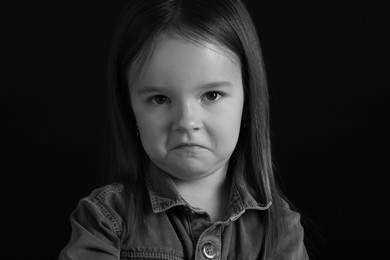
x: 226, y: 127
x: 149, y: 138
x: 153, y: 132
x: 145, y: 121
x: 232, y: 128
x: 149, y: 129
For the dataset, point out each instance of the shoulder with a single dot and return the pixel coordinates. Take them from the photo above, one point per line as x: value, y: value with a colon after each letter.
x: 291, y: 243
x: 103, y: 205
x: 107, y: 194
x: 97, y: 225
x: 291, y: 218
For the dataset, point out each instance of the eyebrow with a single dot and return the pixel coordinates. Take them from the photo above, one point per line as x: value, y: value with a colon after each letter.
x: 153, y: 89
x: 217, y: 84
x: 149, y: 89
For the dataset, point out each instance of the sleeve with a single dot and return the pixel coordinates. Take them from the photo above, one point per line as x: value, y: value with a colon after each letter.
x: 93, y: 235
x: 291, y: 246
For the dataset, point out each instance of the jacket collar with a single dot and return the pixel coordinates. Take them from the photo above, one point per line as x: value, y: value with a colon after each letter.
x: 164, y: 195
x: 162, y: 191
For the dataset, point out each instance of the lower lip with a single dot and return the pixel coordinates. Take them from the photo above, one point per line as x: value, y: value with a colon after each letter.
x: 189, y: 148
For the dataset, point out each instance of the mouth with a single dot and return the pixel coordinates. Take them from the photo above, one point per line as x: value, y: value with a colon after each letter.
x: 189, y: 146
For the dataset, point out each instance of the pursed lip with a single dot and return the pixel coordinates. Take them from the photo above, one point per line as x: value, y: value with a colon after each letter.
x: 188, y: 145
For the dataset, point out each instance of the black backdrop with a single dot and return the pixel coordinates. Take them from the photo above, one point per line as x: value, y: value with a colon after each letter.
x: 327, y: 68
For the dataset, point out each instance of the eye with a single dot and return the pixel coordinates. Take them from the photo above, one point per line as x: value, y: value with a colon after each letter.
x: 159, y: 99
x: 212, y: 96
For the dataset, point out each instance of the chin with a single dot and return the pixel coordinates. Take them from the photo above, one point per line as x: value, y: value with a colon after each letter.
x: 189, y: 172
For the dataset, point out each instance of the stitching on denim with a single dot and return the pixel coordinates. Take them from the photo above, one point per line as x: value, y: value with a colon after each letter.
x: 113, y: 188
x: 238, y: 206
x: 150, y: 253
x: 167, y: 205
x: 158, y: 205
x: 115, y: 221
x: 152, y: 194
x: 219, y: 236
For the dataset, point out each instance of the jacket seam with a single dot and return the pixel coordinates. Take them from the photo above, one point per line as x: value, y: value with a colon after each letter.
x: 113, y: 218
x: 144, y: 253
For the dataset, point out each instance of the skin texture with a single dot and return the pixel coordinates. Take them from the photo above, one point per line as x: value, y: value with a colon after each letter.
x: 188, y: 101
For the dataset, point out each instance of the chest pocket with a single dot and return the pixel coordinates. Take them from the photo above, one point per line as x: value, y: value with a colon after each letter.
x: 151, y: 254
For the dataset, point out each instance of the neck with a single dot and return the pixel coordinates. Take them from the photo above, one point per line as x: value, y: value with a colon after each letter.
x: 210, y: 193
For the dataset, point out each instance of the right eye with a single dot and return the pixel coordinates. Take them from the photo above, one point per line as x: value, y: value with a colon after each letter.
x: 159, y: 99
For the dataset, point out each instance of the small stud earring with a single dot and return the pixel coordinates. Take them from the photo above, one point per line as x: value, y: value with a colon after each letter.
x: 245, y: 121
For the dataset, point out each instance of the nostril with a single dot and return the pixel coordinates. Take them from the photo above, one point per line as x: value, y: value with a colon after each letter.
x: 188, y: 125
x: 188, y: 129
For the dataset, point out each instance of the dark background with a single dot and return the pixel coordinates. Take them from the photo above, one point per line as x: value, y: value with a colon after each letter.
x: 327, y: 65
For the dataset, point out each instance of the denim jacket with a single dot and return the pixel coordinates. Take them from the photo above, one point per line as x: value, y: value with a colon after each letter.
x: 176, y: 229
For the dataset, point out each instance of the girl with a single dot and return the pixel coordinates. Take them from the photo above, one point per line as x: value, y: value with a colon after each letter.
x: 189, y: 146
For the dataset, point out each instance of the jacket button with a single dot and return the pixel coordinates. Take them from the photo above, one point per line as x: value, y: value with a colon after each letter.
x: 209, y: 250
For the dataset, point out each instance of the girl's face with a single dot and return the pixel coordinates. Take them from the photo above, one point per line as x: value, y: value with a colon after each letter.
x: 188, y: 101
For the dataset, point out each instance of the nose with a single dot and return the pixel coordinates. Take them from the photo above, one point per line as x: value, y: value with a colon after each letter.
x: 187, y: 118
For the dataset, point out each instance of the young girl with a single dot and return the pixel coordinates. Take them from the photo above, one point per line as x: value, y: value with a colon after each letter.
x: 189, y: 146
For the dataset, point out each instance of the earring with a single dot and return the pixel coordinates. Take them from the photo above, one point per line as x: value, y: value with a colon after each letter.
x: 137, y: 131
x: 245, y: 121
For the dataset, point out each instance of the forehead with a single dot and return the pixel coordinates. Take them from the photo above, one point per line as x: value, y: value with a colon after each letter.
x: 174, y: 58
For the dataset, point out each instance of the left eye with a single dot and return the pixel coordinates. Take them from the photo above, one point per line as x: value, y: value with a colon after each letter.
x: 159, y: 99
x: 212, y: 96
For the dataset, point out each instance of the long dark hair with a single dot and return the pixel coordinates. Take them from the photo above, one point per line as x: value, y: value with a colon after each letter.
x: 225, y: 23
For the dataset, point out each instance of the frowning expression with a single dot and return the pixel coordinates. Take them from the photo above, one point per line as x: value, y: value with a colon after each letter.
x: 188, y: 101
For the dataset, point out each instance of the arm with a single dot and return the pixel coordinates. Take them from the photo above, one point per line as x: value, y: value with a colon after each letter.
x: 291, y: 246
x: 93, y: 235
